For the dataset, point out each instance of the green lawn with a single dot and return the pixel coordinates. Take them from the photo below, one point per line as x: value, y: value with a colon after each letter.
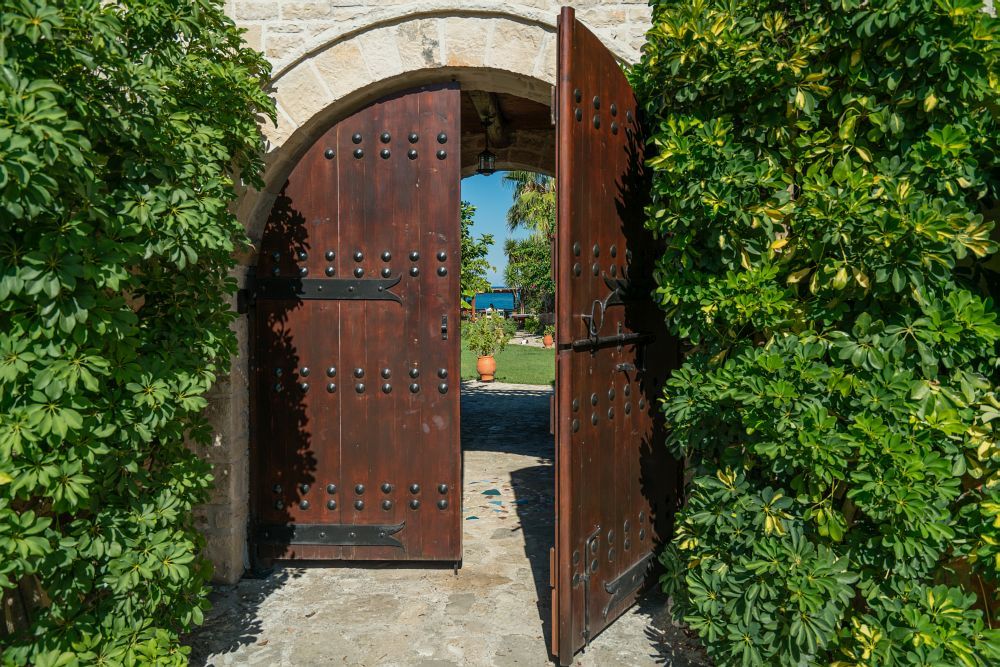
x: 519, y: 364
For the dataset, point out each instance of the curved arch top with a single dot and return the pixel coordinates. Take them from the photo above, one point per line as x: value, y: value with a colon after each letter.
x: 332, y: 60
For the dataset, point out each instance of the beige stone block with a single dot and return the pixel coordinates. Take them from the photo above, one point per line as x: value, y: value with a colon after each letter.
x: 253, y: 36
x: 319, y: 9
x: 380, y: 50
x: 342, y: 68
x: 603, y: 17
x: 550, y: 5
x: 226, y: 549
x: 640, y: 17
x: 545, y: 66
x: 515, y: 46
x: 255, y: 10
x: 420, y: 43
x: 231, y: 487
x: 287, y: 26
x: 301, y: 94
x: 286, y: 40
x: 278, y: 133
x: 465, y: 41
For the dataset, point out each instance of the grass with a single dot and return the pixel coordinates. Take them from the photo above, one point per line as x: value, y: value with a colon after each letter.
x: 519, y: 364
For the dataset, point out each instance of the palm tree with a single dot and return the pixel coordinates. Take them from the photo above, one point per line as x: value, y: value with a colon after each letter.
x: 534, y: 204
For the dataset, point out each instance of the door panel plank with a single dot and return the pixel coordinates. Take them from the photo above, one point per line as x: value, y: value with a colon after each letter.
x: 356, y: 449
x: 615, y: 485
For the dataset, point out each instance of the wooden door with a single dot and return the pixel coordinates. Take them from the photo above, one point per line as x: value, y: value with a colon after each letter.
x: 615, y: 485
x: 356, y: 424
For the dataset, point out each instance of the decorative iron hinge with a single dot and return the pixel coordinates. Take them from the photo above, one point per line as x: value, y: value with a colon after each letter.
x: 322, y: 289
x: 330, y: 534
x: 627, y: 583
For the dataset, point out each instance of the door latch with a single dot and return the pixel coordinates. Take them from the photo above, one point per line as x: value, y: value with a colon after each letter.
x: 444, y: 327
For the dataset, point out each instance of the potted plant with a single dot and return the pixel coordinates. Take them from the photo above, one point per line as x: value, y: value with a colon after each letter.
x: 547, y: 335
x: 487, y: 335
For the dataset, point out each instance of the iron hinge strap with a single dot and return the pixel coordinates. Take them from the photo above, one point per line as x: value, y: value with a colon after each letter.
x: 321, y: 289
x: 627, y: 582
x: 330, y: 534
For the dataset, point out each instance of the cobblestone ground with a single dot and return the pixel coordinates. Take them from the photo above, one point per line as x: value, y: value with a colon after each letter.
x: 495, y: 611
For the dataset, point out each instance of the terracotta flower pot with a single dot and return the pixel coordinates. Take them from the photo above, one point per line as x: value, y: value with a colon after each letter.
x: 547, y: 340
x: 486, y: 367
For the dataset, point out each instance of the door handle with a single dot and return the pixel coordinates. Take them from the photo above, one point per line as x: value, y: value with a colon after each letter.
x: 444, y: 327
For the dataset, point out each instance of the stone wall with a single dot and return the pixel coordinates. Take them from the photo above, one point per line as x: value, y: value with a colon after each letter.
x: 332, y: 57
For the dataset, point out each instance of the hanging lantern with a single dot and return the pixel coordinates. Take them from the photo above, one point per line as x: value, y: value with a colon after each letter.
x: 487, y: 163
x: 487, y: 158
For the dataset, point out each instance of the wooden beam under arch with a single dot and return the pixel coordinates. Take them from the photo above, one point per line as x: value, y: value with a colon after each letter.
x: 488, y: 107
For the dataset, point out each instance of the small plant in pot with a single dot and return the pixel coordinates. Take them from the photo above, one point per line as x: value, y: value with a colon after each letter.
x: 547, y: 334
x: 487, y: 336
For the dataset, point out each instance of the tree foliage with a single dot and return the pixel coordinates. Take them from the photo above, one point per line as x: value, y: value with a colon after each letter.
x: 474, y: 256
x: 121, y: 125
x: 823, y: 178
x: 529, y: 269
x: 534, y: 204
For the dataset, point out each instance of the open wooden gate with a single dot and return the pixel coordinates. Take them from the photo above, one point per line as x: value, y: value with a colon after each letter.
x: 356, y: 360
x: 615, y: 485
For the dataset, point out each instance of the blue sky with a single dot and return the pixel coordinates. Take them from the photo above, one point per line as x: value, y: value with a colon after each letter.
x: 491, y: 200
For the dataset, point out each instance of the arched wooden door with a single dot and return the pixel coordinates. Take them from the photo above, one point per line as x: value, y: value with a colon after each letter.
x: 356, y: 358
x: 615, y: 485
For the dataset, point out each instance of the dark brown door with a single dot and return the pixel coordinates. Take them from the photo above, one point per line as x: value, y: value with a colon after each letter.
x: 356, y: 424
x: 615, y: 485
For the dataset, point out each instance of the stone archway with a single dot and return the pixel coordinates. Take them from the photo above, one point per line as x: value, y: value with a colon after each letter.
x: 330, y: 60
x: 490, y: 52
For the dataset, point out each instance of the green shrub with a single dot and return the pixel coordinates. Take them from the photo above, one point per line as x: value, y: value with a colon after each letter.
x: 487, y: 335
x: 475, y: 261
x: 529, y: 269
x: 549, y: 330
x: 532, y: 325
x: 510, y: 327
x: 120, y: 127
x: 821, y: 172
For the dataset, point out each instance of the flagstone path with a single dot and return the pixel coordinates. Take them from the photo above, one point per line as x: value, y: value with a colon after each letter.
x: 495, y: 611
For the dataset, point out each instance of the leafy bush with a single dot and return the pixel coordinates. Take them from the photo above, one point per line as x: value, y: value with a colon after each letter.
x: 120, y: 127
x: 821, y: 173
x: 532, y: 325
x: 510, y: 327
x: 475, y: 263
x: 549, y: 330
x: 487, y: 335
x: 529, y: 269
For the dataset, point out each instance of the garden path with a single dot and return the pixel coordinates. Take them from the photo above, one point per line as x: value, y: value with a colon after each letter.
x: 495, y: 611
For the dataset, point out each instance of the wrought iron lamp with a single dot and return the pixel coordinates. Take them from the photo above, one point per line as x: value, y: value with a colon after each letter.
x: 487, y: 158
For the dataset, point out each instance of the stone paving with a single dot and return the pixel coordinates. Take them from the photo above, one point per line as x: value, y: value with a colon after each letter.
x: 494, y: 611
